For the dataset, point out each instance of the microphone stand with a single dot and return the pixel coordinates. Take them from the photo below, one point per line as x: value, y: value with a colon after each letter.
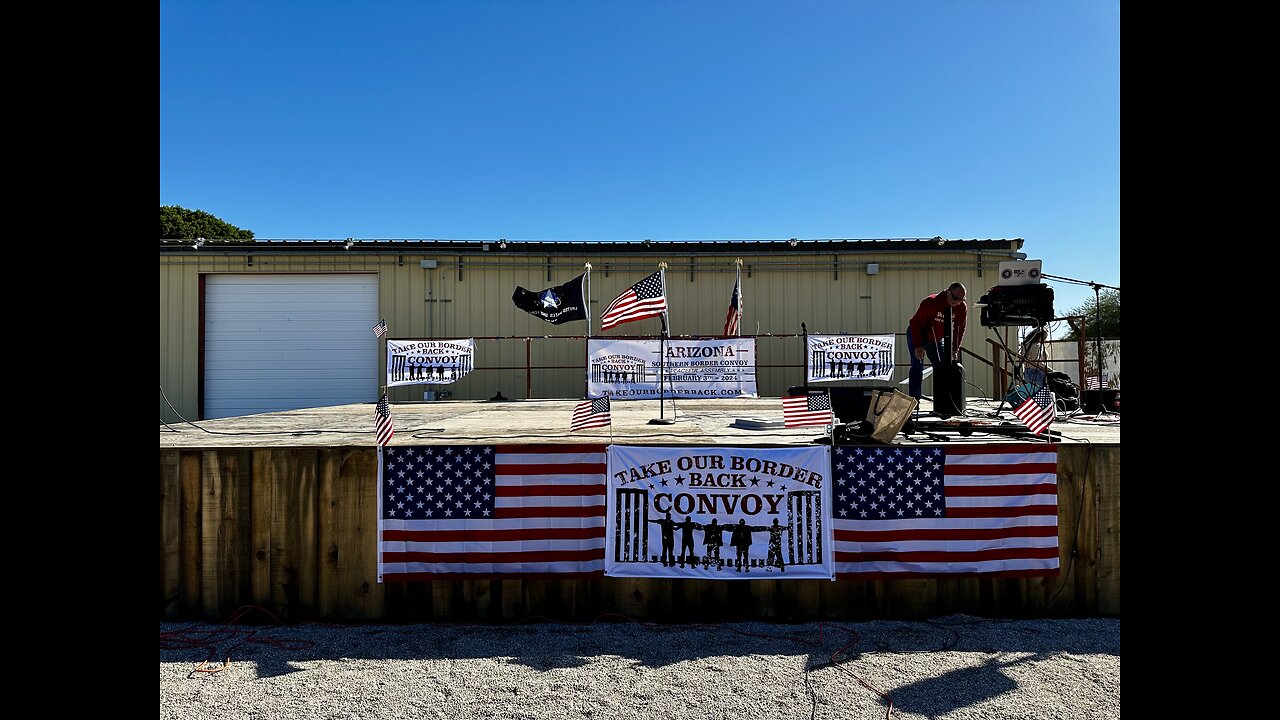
x: 662, y: 373
x: 1097, y: 311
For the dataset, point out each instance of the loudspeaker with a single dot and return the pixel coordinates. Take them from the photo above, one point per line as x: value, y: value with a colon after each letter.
x: 948, y: 390
x: 1110, y: 399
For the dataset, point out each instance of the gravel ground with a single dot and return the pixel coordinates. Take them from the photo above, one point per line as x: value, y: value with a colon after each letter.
x: 952, y: 667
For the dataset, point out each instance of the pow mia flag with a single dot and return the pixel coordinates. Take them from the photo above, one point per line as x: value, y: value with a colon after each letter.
x: 560, y: 304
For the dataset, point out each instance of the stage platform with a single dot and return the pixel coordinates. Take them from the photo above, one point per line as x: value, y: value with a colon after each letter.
x: 279, y: 511
x: 698, y: 422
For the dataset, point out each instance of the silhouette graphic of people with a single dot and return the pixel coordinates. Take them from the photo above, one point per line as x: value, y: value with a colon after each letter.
x: 686, y: 541
x: 713, y: 537
x: 862, y: 367
x: 775, y: 543
x: 668, y: 539
x: 741, y: 539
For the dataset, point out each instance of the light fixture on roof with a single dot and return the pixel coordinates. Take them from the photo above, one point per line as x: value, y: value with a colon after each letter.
x: 940, y: 240
x: 793, y: 242
x: 502, y: 243
x: 348, y: 244
x: 199, y: 242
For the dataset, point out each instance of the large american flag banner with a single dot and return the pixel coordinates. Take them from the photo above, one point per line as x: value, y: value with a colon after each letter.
x: 645, y: 299
x: 491, y: 510
x: 906, y: 512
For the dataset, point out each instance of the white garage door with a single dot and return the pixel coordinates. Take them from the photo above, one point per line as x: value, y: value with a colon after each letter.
x: 282, y: 342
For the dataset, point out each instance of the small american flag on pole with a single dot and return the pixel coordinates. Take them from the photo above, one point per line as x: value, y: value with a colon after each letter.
x: 591, y: 413
x: 735, y: 309
x: 645, y: 299
x: 803, y: 410
x: 382, y: 415
x: 1037, y: 411
x: 1094, y: 383
x: 381, y: 328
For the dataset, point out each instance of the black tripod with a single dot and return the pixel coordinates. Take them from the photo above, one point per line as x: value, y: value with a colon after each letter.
x: 1097, y: 312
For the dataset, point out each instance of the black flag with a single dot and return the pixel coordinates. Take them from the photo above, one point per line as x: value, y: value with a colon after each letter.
x: 560, y: 304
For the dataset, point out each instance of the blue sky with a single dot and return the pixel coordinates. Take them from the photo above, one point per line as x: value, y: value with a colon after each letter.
x: 659, y: 119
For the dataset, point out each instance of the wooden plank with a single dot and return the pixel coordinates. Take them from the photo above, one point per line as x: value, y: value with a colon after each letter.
x: 191, y: 554
x: 226, y: 531
x: 396, y: 596
x: 910, y: 598
x: 535, y: 598
x: 739, y: 600
x: 419, y: 600
x: 1107, y: 470
x: 807, y: 600
x: 512, y: 599
x: 845, y: 599
x: 347, y: 581
x: 261, y: 511
x: 170, y: 533
x: 1010, y: 595
x: 764, y: 599
x: 442, y: 600
x: 664, y: 598
x: 587, y: 599
x: 483, y: 598
x: 1087, y: 556
x: 958, y: 595
x: 712, y: 600
x: 466, y: 608
x: 623, y: 596
x: 294, y: 555
x: 1062, y: 598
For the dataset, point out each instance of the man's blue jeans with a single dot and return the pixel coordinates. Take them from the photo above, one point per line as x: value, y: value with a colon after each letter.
x: 1033, y: 375
x: 916, y: 376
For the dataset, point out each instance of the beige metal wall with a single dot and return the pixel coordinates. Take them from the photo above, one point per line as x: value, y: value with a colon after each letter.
x: 470, y: 296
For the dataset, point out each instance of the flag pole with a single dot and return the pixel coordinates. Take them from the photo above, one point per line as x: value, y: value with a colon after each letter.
x: 804, y: 354
x: 586, y: 347
x: 587, y: 301
x: 662, y: 357
x: 742, y: 306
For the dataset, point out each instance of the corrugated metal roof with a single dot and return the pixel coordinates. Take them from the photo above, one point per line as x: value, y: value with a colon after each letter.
x: 540, y: 247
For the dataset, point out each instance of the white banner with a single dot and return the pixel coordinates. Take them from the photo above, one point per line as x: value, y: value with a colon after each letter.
x: 432, y: 362
x: 719, y: 513
x: 629, y: 369
x: 850, y: 357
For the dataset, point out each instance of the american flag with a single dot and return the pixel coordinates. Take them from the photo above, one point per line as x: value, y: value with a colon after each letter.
x: 802, y: 410
x: 591, y: 413
x: 735, y: 309
x: 491, y: 510
x: 381, y: 328
x: 1037, y: 411
x: 645, y: 299
x: 926, y: 511
x: 1093, y: 383
x: 386, y: 429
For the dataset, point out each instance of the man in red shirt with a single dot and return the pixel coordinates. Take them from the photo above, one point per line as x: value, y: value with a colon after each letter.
x: 927, y: 332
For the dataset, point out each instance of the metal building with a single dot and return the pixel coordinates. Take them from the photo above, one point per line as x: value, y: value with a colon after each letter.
x: 275, y: 325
